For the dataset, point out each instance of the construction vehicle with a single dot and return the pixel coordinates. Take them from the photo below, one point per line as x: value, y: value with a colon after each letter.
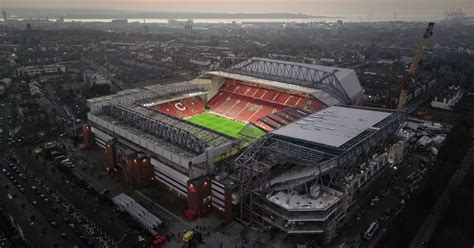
x: 192, y: 238
x: 404, y: 80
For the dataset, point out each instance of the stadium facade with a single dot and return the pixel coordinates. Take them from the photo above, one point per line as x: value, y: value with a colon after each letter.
x: 274, y: 143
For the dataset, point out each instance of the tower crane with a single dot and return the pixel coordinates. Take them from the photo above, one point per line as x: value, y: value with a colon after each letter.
x: 414, y: 65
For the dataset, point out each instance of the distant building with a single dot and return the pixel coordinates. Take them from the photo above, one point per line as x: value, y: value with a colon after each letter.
x: 200, y: 63
x: 95, y: 78
x: 40, y: 69
x: 7, y: 82
x: 448, y: 98
x: 188, y: 29
x: 119, y: 21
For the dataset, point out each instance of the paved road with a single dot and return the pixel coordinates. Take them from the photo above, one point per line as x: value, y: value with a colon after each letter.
x: 429, y: 226
x: 37, y: 229
x: 6, y: 123
x: 44, y: 197
x: 88, y: 204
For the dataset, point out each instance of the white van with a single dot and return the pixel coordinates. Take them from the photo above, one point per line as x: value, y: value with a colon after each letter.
x: 374, y: 226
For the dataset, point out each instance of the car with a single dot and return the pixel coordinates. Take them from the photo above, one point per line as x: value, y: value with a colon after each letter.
x: 35, y: 203
x: 53, y: 224
x: 4, y: 170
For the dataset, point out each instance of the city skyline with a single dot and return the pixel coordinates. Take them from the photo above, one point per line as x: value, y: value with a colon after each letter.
x: 403, y: 8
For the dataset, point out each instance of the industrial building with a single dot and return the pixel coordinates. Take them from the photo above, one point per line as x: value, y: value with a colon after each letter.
x: 299, y: 148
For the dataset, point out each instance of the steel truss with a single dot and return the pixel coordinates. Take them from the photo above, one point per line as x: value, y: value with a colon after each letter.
x: 292, y: 73
x: 174, y: 135
x: 326, y: 165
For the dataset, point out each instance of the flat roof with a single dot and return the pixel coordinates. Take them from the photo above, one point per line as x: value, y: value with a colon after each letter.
x: 306, y: 202
x: 333, y: 126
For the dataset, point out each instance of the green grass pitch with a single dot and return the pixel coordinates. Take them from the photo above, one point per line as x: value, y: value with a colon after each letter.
x: 218, y: 123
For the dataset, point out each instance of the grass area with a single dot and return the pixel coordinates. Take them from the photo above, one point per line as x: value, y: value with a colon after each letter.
x: 218, y: 123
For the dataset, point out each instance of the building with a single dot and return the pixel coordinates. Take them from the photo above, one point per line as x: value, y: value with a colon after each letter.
x: 5, y: 83
x: 448, y: 98
x: 95, y: 78
x: 119, y: 21
x: 286, y: 165
x: 303, y: 178
x: 40, y: 69
x: 188, y: 29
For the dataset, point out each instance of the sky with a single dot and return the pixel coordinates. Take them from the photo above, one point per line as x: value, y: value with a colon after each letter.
x: 428, y: 8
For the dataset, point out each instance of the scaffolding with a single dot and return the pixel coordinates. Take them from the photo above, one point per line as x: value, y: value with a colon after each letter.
x: 256, y: 170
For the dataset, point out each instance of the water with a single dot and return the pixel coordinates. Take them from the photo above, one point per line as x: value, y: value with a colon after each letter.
x: 267, y: 20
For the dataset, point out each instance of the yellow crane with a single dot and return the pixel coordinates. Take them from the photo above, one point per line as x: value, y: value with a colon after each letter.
x: 414, y: 65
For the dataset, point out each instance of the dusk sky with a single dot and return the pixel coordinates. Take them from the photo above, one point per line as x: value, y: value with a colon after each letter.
x: 315, y: 7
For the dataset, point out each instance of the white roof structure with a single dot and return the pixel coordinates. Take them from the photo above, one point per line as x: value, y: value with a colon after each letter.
x: 347, y: 77
x: 140, y: 214
x: 333, y: 126
x: 340, y: 83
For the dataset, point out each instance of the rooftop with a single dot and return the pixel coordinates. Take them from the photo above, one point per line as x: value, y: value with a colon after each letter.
x: 300, y: 202
x: 341, y: 83
x: 334, y: 126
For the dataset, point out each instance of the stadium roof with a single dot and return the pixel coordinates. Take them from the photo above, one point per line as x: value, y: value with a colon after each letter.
x: 341, y: 83
x: 334, y: 126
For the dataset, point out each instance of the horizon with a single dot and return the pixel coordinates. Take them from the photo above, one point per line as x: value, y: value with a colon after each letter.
x: 404, y: 9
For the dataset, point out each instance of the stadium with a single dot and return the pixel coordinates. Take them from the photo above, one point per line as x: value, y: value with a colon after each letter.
x: 274, y: 143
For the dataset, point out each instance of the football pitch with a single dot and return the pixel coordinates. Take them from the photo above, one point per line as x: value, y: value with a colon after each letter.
x: 218, y: 123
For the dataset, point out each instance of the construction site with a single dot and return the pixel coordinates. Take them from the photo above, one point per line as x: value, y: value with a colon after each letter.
x: 302, y: 151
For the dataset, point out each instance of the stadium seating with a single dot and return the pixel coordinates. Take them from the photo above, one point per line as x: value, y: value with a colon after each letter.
x: 272, y: 97
x: 248, y: 103
x: 183, y: 108
x: 281, y: 118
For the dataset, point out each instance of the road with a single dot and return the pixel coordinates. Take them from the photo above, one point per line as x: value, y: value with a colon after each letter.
x: 85, y: 202
x: 430, y: 224
x: 37, y: 231
x: 386, y: 188
x: 6, y: 120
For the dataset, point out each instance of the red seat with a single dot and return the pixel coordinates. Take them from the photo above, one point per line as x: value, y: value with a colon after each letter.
x: 183, y: 108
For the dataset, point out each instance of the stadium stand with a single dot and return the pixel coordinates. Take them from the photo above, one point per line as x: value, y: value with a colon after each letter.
x: 183, y: 108
x: 247, y: 103
x: 233, y: 91
x: 281, y: 118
